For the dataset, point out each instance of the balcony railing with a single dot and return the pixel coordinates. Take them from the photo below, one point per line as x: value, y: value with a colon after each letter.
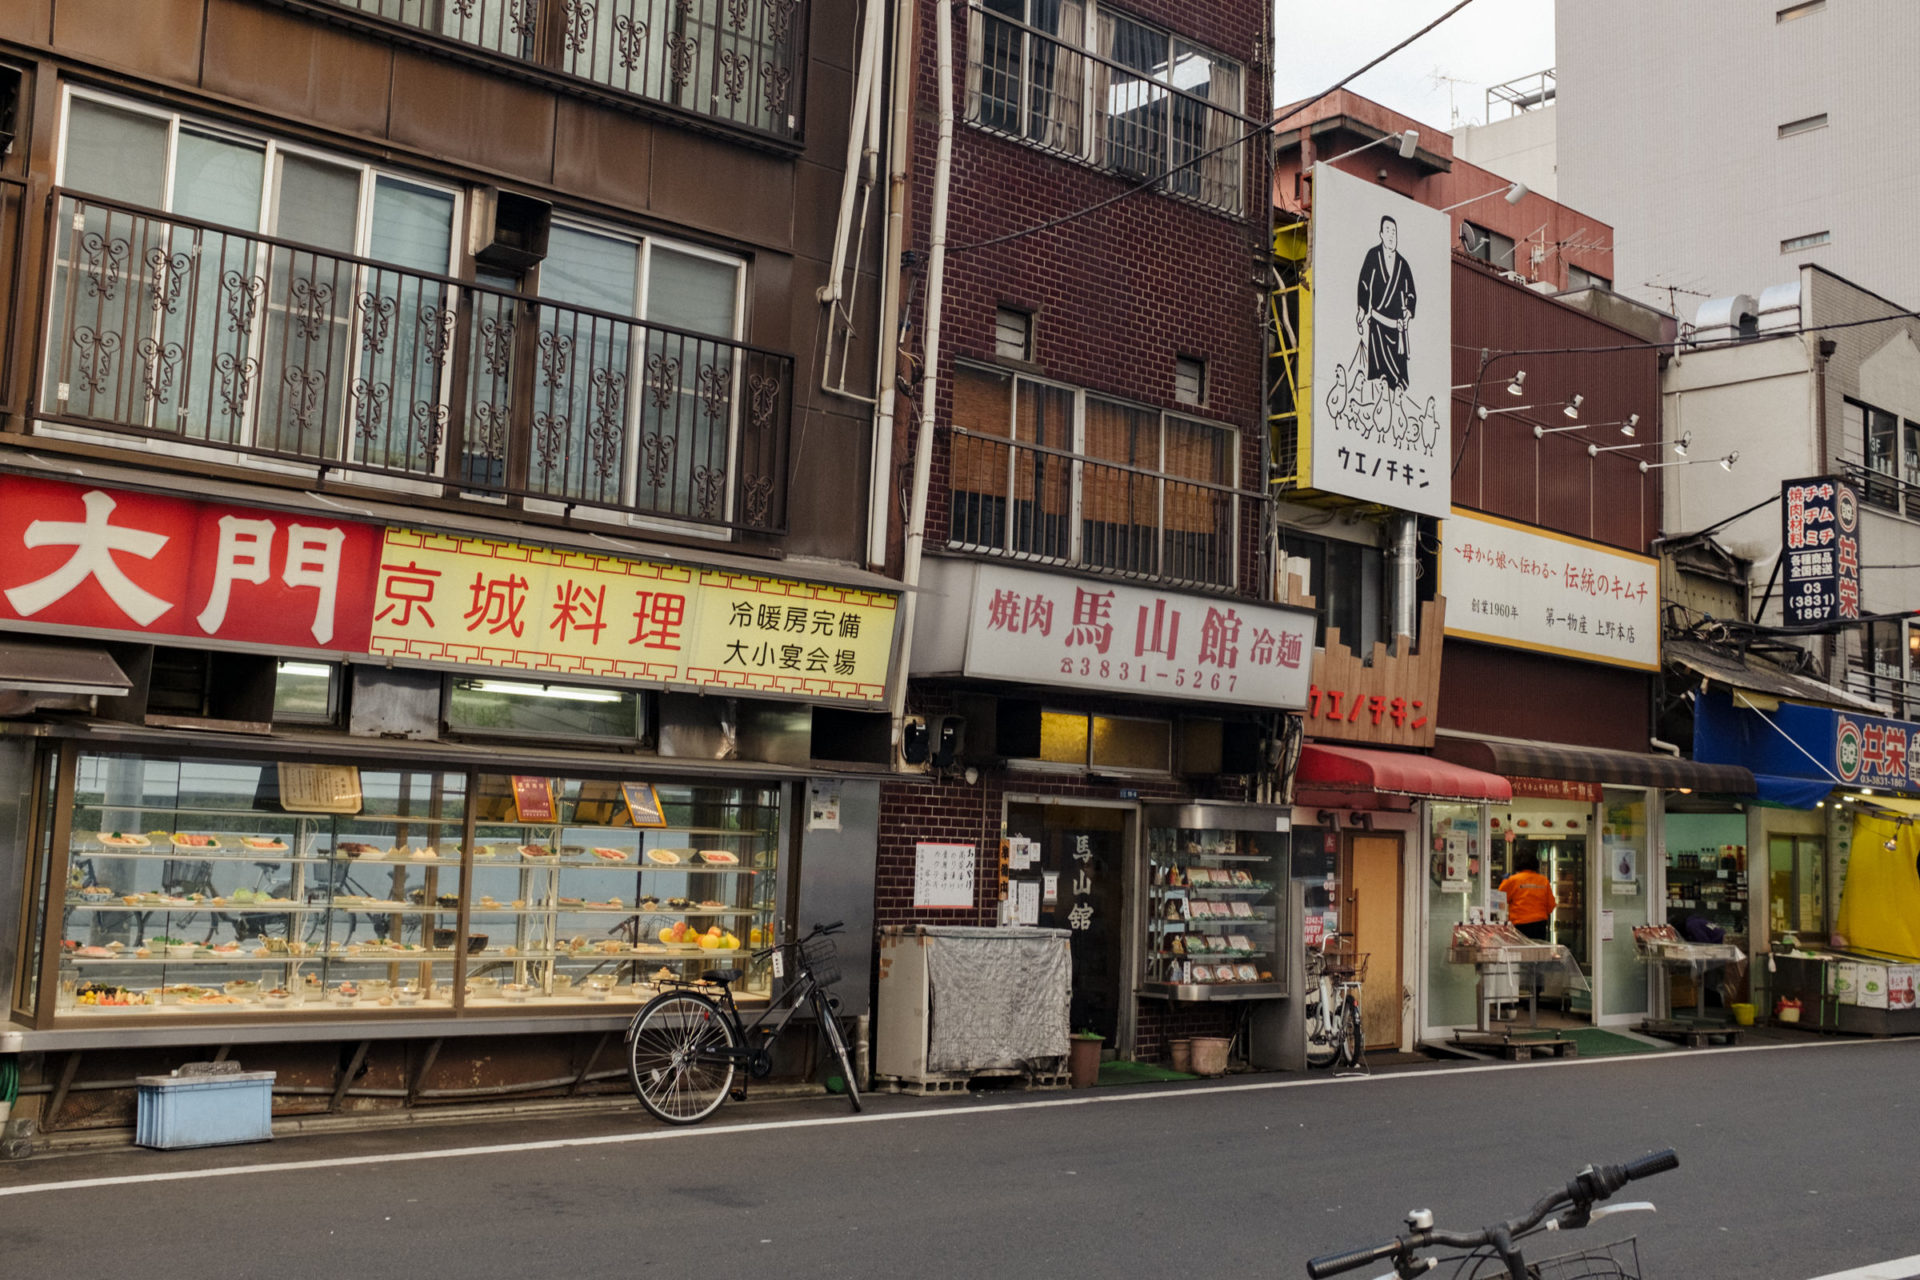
x: 1898, y: 692
x: 1883, y: 489
x: 186, y: 332
x: 1050, y: 93
x: 737, y: 61
x: 1029, y: 502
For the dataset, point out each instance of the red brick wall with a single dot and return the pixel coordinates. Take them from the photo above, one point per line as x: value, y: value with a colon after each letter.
x: 1118, y: 294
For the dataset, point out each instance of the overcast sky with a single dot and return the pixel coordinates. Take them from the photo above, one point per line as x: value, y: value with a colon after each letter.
x: 1487, y: 43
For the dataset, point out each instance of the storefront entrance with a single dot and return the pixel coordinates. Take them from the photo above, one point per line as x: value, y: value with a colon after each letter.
x: 1085, y: 861
x: 1373, y: 913
x: 1557, y: 833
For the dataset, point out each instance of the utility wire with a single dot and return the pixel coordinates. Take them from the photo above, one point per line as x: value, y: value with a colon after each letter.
x: 1265, y: 128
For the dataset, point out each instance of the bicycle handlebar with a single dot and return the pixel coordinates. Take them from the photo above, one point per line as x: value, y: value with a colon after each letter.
x: 1591, y: 1184
x: 819, y: 931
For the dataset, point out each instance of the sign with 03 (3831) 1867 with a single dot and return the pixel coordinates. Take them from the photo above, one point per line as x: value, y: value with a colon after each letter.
x: 1820, y: 540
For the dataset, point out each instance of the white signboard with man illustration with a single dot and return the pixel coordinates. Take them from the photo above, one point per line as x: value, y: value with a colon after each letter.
x: 1382, y: 322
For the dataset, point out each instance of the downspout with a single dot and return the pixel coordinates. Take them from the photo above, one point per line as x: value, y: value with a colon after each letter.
x: 930, y: 369
x: 861, y: 140
x: 1406, y: 577
x: 899, y: 137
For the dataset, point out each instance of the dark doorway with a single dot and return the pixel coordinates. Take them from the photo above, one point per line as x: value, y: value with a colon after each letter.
x: 1087, y: 853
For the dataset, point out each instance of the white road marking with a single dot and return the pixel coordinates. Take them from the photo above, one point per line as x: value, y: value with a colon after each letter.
x: 819, y: 1122
x: 1897, y: 1269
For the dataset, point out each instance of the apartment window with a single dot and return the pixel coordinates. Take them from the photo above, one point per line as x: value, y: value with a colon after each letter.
x: 1106, y: 742
x: 1487, y: 245
x: 1796, y: 11
x: 1052, y: 473
x: 1013, y: 333
x: 1887, y: 452
x: 1806, y: 125
x: 1347, y: 583
x: 1798, y: 243
x: 233, y: 327
x: 1189, y: 380
x: 1580, y: 278
x: 1105, y: 88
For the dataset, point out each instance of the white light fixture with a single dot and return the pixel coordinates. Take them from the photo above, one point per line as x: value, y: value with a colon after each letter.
x: 1595, y: 450
x: 1627, y: 426
x: 1726, y: 463
x: 1573, y: 406
x: 1515, y: 194
x: 1680, y: 445
x: 312, y: 670
x: 1408, y: 141
x: 566, y: 693
x: 1519, y: 384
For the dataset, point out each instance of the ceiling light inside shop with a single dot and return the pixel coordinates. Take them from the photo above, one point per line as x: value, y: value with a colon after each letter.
x: 515, y: 689
x: 316, y: 670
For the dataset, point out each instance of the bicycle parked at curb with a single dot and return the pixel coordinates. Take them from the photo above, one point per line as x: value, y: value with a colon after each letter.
x: 1334, y: 974
x: 685, y: 1046
x: 1496, y: 1251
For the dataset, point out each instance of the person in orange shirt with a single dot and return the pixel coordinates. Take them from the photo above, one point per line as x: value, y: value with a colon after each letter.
x: 1530, y: 899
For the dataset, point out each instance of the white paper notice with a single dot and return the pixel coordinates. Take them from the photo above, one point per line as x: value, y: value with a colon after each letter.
x: 1022, y: 853
x: 1606, y: 926
x: 1051, y: 891
x: 1026, y: 902
x: 823, y: 805
x: 943, y: 875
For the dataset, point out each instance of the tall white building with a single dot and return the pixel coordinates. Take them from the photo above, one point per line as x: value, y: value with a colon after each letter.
x: 1732, y: 143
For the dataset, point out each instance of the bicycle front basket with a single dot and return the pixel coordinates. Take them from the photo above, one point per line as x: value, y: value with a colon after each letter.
x: 1617, y: 1261
x: 822, y: 958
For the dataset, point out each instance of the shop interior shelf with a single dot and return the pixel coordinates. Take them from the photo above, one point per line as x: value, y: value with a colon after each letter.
x: 106, y: 806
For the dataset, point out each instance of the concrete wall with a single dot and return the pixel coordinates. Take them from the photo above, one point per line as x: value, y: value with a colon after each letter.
x: 1521, y: 148
x: 1669, y: 120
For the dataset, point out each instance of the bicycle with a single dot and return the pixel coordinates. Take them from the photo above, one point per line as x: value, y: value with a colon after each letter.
x: 1334, y: 1033
x: 685, y: 1046
x: 1502, y: 1242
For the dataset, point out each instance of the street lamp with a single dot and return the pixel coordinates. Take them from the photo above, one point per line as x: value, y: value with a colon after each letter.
x: 1569, y: 407
x: 1408, y: 139
x: 1726, y: 463
x: 1515, y: 194
x: 1516, y: 387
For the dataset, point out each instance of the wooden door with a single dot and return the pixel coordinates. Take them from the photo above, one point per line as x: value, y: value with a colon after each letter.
x: 1373, y: 914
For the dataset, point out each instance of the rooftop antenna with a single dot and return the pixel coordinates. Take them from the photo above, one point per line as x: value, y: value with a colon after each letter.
x: 1439, y: 77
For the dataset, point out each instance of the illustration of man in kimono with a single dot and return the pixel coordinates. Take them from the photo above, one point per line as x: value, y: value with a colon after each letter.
x: 1386, y: 303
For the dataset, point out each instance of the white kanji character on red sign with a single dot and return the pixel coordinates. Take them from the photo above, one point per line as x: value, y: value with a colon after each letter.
x: 94, y: 542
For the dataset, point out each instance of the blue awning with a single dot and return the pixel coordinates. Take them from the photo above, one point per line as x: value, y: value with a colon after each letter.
x: 1790, y: 793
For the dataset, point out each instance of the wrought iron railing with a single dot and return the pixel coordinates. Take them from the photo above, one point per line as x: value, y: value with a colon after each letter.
x: 1898, y: 692
x: 1883, y: 489
x: 1029, y: 502
x: 1051, y: 93
x: 739, y: 61
x: 184, y: 331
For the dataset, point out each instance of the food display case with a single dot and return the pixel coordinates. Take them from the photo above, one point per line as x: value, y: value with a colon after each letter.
x: 1214, y: 910
x: 190, y: 887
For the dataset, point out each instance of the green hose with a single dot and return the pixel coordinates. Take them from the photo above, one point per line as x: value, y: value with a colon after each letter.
x: 9, y: 1080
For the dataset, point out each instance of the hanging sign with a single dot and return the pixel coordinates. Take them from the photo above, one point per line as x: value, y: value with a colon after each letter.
x: 1820, y: 544
x: 1394, y: 700
x: 319, y: 788
x: 643, y: 804
x: 533, y: 799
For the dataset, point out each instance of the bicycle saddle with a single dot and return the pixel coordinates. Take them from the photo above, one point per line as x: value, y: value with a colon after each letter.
x: 720, y: 977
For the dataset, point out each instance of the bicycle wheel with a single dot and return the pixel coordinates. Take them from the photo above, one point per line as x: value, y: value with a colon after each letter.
x: 1353, y: 1039
x: 1322, y: 1047
x: 824, y: 1011
x: 680, y: 1057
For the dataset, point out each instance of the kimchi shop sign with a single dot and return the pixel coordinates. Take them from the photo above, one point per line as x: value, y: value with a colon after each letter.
x: 1114, y: 637
x: 88, y: 558
x: 1527, y: 588
x: 1820, y: 538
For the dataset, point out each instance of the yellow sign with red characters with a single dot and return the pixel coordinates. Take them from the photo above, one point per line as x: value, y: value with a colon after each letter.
x: 474, y: 602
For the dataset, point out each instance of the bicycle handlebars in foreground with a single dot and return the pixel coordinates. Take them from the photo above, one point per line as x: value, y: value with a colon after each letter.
x: 1589, y: 1185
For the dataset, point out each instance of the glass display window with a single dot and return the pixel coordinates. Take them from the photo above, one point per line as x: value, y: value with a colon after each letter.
x: 1557, y: 833
x: 1214, y: 911
x: 1455, y: 890
x: 575, y: 903
x: 191, y: 886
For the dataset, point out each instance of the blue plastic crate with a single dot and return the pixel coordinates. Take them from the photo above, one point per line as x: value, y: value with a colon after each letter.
x: 205, y: 1111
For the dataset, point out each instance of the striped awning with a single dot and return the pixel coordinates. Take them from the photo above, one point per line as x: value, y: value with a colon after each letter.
x: 1594, y: 764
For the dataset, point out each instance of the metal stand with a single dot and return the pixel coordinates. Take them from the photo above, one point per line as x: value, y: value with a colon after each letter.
x: 1498, y: 964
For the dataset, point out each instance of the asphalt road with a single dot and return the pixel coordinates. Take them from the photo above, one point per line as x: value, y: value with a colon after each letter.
x: 1796, y: 1163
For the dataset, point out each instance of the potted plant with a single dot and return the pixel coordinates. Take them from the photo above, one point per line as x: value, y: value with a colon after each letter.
x: 1083, y: 1059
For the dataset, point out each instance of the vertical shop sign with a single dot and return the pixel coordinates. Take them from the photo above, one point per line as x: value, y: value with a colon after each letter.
x: 943, y: 875
x: 533, y: 799
x: 1820, y: 540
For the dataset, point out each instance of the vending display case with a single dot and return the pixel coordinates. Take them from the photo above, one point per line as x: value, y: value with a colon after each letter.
x: 1214, y: 902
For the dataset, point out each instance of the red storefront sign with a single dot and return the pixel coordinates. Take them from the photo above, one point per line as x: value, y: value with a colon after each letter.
x: 1555, y: 789
x: 85, y: 557
x: 533, y: 798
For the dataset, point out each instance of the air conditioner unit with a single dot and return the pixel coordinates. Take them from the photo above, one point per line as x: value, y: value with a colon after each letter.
x: 509, y: 229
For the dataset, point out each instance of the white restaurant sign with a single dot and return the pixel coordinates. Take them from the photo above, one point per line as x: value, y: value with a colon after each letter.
x: 1115, y: 637
x: 1515, y: 585
x: 1382, y: 359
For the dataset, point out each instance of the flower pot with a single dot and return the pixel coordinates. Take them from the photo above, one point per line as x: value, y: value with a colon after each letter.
x: 1210, y: 1055
x: 1083, y: 1061
x: 1181, y: 1053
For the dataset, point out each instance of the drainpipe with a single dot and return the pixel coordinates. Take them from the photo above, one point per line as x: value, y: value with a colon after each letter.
x: 930, y: 369
x: 899, y: 139
x: 1406, y: 576
x: 858, y: 178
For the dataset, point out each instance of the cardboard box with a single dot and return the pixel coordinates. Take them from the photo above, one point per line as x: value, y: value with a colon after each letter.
x: 1872, y: 992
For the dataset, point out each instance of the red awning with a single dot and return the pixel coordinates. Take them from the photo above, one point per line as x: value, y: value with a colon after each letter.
x: 1358, y: 771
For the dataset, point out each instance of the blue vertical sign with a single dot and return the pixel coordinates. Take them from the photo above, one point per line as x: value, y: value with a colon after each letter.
x: 1820, y: 547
